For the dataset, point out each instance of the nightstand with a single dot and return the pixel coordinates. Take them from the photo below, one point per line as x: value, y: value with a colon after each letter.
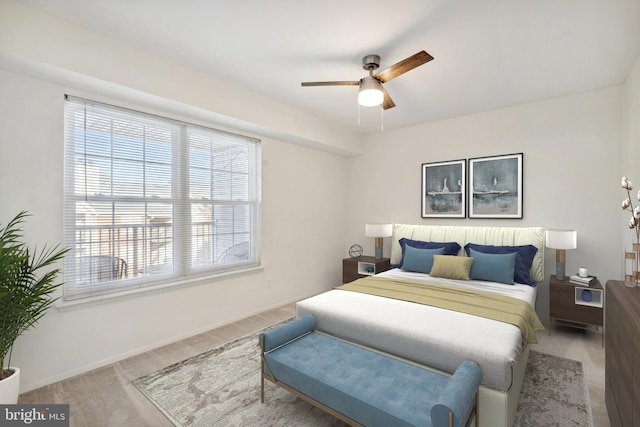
x: 575, y: 305
x: 363, y: 266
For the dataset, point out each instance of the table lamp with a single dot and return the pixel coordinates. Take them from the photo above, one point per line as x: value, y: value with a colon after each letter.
x: 378, y: 231
x: 560, y: 240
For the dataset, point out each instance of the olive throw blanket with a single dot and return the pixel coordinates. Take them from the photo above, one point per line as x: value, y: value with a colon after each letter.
x: 478, y: 303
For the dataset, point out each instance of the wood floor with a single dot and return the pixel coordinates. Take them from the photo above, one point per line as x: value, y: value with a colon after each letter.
x: 106, y: 397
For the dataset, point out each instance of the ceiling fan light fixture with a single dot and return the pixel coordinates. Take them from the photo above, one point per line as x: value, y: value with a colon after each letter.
x: 370, y: 94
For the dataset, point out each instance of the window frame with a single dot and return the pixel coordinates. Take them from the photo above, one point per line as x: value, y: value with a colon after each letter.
x: 180, y: 202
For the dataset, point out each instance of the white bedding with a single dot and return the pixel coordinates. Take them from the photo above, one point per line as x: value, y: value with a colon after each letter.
x: 433, y: 336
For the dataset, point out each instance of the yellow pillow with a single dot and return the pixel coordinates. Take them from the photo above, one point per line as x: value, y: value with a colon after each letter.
x: 451, y: 267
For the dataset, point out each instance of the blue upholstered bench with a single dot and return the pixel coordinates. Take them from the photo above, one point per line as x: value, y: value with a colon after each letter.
x: 365, y: 387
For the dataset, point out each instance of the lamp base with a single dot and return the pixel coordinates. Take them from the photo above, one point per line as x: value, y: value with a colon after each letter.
x: 560, y: 270
x: 378, y: 243
x: 378, y: 252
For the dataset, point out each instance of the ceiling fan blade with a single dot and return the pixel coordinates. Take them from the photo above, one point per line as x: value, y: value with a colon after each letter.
x: 403, y: 66
x: 387, y: 102
x: 342, y: 83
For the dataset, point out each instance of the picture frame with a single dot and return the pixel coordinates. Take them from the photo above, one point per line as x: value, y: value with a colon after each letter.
x: 444, y: 189
x: 496, y: 186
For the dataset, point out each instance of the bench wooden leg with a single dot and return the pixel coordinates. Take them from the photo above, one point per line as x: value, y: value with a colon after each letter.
x: 262, y: 388
x: 477, y: 407
x: 475, y: 411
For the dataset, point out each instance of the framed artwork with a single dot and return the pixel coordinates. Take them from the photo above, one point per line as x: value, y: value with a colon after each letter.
x: 496, y: 186
x: 443, y: 189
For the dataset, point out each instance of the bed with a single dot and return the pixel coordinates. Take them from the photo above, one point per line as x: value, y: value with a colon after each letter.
x: 440, y: 337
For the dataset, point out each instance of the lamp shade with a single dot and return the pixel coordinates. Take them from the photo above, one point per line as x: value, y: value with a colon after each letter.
x: 370, y: 94
x: 378, y: 230
x: 561, y: 239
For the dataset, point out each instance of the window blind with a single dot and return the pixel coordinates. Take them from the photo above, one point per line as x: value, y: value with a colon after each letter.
x: 150, y: 200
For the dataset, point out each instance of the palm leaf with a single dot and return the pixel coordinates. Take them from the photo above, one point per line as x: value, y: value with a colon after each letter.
x: 27, y: 284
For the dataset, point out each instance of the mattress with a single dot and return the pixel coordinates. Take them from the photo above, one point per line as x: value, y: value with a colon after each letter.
x: 429, y: 335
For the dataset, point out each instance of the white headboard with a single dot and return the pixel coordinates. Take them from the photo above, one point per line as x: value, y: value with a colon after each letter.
x: 497, y: 236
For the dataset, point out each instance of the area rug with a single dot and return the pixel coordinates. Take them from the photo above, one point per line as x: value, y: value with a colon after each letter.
x: 221, y: 387
x: 555, y: 392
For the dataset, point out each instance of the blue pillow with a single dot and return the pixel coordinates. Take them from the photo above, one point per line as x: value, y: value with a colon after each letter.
x: 493, y: 267
x: 524, y: 259
x: 420, y: 260
x: 450, y: 248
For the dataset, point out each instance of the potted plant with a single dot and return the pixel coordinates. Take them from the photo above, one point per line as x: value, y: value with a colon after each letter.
x: 27, y: 283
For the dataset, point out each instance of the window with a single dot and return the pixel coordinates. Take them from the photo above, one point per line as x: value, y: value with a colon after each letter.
x: 149, y: 200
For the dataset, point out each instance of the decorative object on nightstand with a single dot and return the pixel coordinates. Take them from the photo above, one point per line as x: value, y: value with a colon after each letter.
x: 378, y: 231
x: 582, y: 281
x: 363, y: 266
x: 355, y: 251
x: 560, y: 240
x: 582, y: 278
x: 632, y: 279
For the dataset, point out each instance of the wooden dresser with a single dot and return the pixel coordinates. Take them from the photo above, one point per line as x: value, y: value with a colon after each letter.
x: 622, y: 352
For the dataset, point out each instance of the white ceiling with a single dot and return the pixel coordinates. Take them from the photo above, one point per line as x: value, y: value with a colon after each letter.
x: 488, y: 54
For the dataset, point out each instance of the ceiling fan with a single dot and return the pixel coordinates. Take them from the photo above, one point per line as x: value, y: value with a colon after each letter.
x: 371, y: 92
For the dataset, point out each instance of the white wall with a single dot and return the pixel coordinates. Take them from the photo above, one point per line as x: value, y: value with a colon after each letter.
x: 572, y: 152
x: 631, y: 151
x: 303, y: 211
x: 631, y: 127
x: 36, y: 43
x: 41, y: 59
